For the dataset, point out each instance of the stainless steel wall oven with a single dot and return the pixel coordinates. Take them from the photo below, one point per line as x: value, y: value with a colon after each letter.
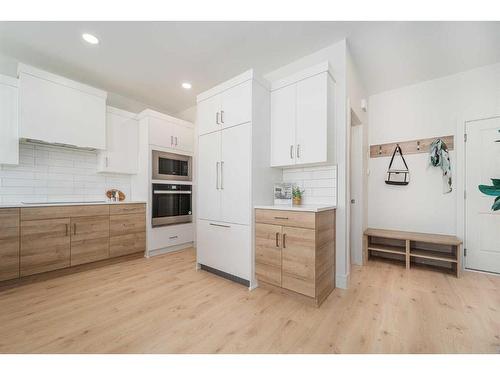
x: 172, y: 204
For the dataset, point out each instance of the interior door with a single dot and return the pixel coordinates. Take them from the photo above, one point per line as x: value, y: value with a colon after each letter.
x: 89, y: 239
x: 235, y: 174
x: 268, y: 253
x: 209, y: 190
x: 45, y: 245
x: 298, y: 257
x: 312, y: 112
x: 283, y: 123
x: 482, y: 238
x: 236, y: 105
x: 208, y: 115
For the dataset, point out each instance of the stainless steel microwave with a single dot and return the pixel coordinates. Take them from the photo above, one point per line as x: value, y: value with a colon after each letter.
x: 170, y: 166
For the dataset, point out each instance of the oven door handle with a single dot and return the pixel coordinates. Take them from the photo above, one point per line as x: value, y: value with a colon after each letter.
x: 171, y: 192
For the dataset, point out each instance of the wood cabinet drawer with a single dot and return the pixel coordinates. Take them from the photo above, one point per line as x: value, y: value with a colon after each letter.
x: 126, y: 224
x: 288, y: 218
x: 127, y: 234
x: 9, y: 243
x: 40, y: 213
x: 132, y: 208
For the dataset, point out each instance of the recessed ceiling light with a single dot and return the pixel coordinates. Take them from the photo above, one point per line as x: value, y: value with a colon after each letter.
x: 89, y: 38
x: 186, y: 85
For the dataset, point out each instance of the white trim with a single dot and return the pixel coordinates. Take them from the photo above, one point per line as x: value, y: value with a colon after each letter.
x: 121, y: 112
x: 462, y: 181
x: 9, y: 81
x: 246, y: 76
x: 162, y: 116
x: 38, y: 73
x: 342, y: 281
x: 303, y: 74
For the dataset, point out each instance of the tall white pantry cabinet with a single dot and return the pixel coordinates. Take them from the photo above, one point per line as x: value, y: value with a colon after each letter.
x: 233, y: 172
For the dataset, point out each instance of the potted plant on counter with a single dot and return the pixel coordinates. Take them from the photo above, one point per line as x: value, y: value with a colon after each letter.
x: 297, y: 195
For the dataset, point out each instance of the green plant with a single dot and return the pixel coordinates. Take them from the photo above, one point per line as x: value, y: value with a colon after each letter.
x: 297, y: 193
x: 493, y: 191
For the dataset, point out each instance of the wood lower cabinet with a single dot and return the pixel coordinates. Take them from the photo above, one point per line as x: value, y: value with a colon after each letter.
x: 9, y: 243
x: 45, y: 245
x: 40, y: 239
x: 89, y: 239
x: 295, y: 252
x: 127, y: 234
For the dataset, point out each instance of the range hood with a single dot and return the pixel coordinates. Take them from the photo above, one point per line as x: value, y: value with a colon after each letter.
x: 36, y: 141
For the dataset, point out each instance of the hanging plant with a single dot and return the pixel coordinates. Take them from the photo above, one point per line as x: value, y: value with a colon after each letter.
x: 493, y: 191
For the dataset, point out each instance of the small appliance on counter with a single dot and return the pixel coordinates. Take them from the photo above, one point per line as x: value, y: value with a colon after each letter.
x: 172, y: 204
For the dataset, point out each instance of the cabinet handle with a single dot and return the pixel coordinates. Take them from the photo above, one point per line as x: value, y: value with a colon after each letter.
x: 298, y: 151
x: 217, y: 177
x: 291, y: 151
x: 74, y: 228
x: 220, y: 225
x: 176, y: 141
x: 217, y: 118
x: 281, y: 218
x: 222, y: 175
x: 67, y: 229
x: 284, y: 236
x: 171, y: 140
x: 277, y: 239
x: 222, y: 117
x: 173, y: 237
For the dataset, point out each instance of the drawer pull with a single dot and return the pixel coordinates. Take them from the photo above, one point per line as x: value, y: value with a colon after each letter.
x: 277, y: 239
x: 220, y: 225
x: 284, y: 236
x: 280, y: 218
x: 67, y: 229
x: 173, y: 237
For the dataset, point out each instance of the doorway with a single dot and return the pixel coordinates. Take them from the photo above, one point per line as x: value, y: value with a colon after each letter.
x: 482, y: 224
x: 356, y: 190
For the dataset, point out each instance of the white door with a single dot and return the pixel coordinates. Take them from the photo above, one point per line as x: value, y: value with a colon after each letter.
x: 235, y: 174
x: 482, y: 238
x: 209, y: 192
x: 208, y: 115
x: 283, y: 126
x: 183, y: 138
x: 356, y: 190
x: 312, y: 112
x: 9, y: 138
x: 236, y: 105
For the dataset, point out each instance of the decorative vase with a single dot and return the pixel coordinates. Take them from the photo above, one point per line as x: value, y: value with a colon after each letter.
x: 297, y: 201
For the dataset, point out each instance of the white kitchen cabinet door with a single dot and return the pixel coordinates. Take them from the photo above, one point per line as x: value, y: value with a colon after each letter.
x: 209, y: 191
x: 312, y: 120
x: 183, y: 138
x: 225, y: 247
x: 161, y: 133
x: 208, y: 115
x: 55, y: 112
x: 236, y: 105
x: 236, y: 169
x: 121, y: 154
x: 283, y: 120
x: 9, y: 138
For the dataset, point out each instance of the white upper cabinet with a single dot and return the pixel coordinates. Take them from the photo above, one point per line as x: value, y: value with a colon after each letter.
x: 54, y: 109
x: 302, y: 121
x: 9, y: 138
x: 209, y: 184
x: 122, y: 132
x: 232, y: 106
x: 169, y: 132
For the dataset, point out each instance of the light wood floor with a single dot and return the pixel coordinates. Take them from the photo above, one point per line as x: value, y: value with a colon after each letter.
x: 163, y: 305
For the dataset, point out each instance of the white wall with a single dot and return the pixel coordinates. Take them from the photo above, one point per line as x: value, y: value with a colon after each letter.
x: 50, y: 173
x: 336, y: 55
x: 428, y: 109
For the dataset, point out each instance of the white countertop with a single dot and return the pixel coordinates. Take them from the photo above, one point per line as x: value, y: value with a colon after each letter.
x: 302, y: 207
x: 48, y: 204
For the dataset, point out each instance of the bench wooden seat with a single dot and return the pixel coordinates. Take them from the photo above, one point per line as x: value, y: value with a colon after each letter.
x: 432, y: 250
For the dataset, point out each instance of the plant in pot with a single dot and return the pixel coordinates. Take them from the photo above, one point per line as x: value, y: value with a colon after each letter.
x: 297, y: 195
x: 494, y: 191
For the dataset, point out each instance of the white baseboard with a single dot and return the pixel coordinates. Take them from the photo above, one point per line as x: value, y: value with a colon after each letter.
x: 169, y: 249
x: 342, y: 281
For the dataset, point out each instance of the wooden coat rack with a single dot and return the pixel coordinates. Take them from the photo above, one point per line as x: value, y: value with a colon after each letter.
x: 416, y: 146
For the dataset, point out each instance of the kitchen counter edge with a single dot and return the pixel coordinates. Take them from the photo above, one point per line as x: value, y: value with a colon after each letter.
x: 48, y: 204
x: 302, y: 208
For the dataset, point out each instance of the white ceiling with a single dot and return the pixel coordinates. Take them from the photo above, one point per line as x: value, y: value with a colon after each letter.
x: 147, y: 61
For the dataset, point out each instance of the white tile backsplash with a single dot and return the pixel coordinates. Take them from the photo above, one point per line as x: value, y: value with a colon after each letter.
x: 49, y: 173
x: 319, y: 183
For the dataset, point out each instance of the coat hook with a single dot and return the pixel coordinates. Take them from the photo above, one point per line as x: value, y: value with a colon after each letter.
x: 418, y: 145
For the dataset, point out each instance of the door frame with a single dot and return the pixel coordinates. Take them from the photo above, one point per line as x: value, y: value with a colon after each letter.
x: 461, y: 180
